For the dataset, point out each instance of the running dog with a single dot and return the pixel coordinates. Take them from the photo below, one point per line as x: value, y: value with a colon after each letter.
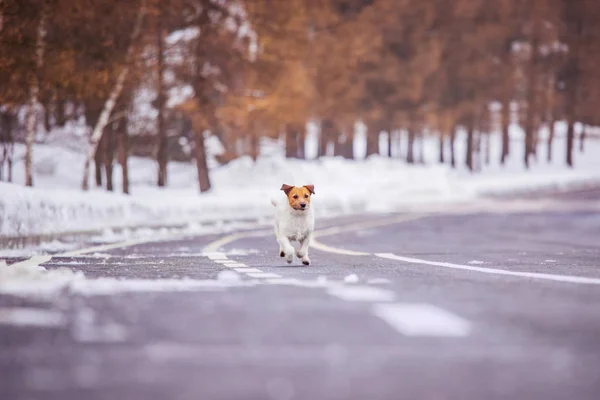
x: 294, y: 220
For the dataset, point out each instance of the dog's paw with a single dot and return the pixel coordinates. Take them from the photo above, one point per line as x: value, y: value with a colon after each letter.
x: 305, y: 260
x: 289, y: 258
x: 300, y: 254
x: 281, y: 253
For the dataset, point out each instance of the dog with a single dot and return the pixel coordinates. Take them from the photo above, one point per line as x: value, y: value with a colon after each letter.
x: 294, y: 221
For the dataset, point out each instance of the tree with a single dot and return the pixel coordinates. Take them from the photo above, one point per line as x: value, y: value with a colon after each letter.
x: 114, y: 94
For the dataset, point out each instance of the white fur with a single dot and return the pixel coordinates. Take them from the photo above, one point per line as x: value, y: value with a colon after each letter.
x: 293, y: 225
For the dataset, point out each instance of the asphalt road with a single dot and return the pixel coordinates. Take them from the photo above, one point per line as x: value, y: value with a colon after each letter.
x: 469, y: 305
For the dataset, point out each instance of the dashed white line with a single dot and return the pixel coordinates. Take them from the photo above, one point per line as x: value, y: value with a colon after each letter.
x: 422, y: 320
x: 235, y: 265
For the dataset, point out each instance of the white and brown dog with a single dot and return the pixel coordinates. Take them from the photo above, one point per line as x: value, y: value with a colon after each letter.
x: 294, y: 221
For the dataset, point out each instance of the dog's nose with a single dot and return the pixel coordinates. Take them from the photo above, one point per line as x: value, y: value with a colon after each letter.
x: 302, y: 205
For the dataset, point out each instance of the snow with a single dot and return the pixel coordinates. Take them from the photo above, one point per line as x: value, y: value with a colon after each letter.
x: 242, y: 189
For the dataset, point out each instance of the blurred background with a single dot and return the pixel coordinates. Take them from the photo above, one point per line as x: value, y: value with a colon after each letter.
x: 379, y: 103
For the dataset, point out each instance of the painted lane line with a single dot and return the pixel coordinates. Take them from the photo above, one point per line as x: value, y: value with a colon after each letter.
x: 263, y: 275
x: 236, y: 265
x: 356, y: 227
x: 112, y: 246
x: 34, y: 261
x: 217, y: 244
x: 24, y: 316
x: 496, y: 271
x: 247, y: 270
x: 361, y: 293
x: 368, y: 225
x: 212, y: 254
x: 323, y: 247
x: 225, y: 261
x: 422, y: 320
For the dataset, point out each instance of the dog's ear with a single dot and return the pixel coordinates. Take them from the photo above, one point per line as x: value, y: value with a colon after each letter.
x: 311, y: 188
x: 286, y: 188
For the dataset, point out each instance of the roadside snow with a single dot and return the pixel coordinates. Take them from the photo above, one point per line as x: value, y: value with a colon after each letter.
x: 242, y: 189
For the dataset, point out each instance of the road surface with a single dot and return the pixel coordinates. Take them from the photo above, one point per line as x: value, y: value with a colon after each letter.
x: 449, y: 305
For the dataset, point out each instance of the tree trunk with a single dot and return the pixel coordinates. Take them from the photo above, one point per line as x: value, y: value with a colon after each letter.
x: 410, y: 146
x: 389, y: 143
x: 291, y: 141
x: 348, y: 152
x: 201, y: 162
x: 441, y: 147
x: 324, y: 136
x: 505, y: 126
x: 570, y: 140
x: 114, y: 95
x: 99, y: 161
x: 550, y: 140
x: 452, y: 153
x: 372, y: 141
x: 161, y: 153
x: 124, y: 152
x: 34, y: 89
x: 486, y: 148
x: 469, y: 154
x: 254, y: 146
x: 582, y: 136
x: 109, y: 156
x: 421, y: 149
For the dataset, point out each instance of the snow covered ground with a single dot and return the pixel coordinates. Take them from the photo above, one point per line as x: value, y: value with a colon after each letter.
x: 242, y: 189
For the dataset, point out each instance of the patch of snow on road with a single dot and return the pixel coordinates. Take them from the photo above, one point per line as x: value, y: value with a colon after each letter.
x: 476, y: 262
x: 352, y: 278
x: 24, y: 316
x: 361, y: 293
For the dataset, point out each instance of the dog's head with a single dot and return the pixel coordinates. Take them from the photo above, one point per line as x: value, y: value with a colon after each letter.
x: 299, y: 197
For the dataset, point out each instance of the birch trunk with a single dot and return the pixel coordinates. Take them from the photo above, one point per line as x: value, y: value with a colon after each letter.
x: 34, y: 90
x: 161, y: 154
x: 114, y: 95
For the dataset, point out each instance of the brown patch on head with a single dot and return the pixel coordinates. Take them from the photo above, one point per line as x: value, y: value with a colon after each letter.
x: 299, y: 197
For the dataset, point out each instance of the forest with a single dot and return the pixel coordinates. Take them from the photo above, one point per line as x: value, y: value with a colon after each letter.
x: 243, y: 70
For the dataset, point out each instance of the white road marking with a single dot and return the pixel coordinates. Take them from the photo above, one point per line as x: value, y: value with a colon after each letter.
x: 368, y: 225
x: 119, y: 245
x: 213, y: 253
x: 217, y: 244
x: 323, y: 247
x: 34, y: 261
x: 247, y: 270
x: 422, y: 320
x: 235, y: 265
x: 361, y: 293
x: 24, y: 316
x: 227, y: 261
x: 263, y: 275
x: 495, y: 271
x: 356, y: 227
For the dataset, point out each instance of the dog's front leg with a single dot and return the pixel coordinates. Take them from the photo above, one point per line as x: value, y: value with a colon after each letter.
x: 288, y: 249
x: 303, y: 251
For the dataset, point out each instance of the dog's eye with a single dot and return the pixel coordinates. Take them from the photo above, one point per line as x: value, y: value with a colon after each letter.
x: 295, y: 196
x: 306, y: 196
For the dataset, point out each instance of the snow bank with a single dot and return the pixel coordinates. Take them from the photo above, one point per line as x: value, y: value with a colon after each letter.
x: 242, y: 189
